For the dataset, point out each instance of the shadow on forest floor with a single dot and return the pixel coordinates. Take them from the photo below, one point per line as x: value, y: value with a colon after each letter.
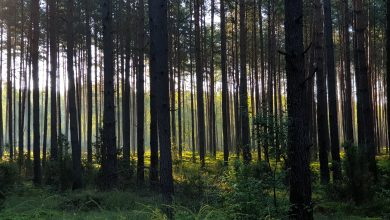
x: 216, y: 192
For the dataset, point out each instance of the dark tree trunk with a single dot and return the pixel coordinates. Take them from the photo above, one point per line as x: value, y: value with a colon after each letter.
x: 76, y: 148
x: 364, y: 104
x: 35, y: 76
x: 1, y: 92
x: 89, y: 80
x: 298, y: 129
x: 387, y: 68
x: 53, y: 78
x: 140, y: 95
x: 348, y: 82
x: 331, y: 69
x: 199, y: 85
x: 9, y: 90
x: 22, y: 93
x: 322, y: 107
x: 245, y: 142
x: 153, y: 129
x: 225, y: 98
x: 126, y: 107
x: 109, y: 163
x: 212, y: 134
x: 46, y: 97
x: 159, y: 68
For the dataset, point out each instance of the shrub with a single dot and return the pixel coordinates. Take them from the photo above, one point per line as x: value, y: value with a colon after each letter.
x: 358, y: 179
x: 245, y: 196
x: 8, y: 175
x: 59, y: 173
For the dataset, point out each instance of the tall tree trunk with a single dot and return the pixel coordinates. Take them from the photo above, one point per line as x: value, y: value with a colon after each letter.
x: 199, y: 85
x: 244, y: 115
x: 159, y: 68
x: 76, y: 148
x: 35, y: 76
x: 22, y: 93
x: 212, y: 134
x: 364, y: 105
x: 89, y: 80
x: 53, y: 78
x: 298, y: 129
x: 153, y: 176
x: 332, y: 87
x: 140, y: 94
x: 387, y: 69
x: 126, y: 106
x: 225, y: 98
x: 109, y: 164
x: 9, y: 90
x: 322, y: 107
x: 1, y: 92
x: 348, y: 82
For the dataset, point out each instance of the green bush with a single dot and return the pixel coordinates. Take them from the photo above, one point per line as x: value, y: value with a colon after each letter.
x: 8, y: 175
x: 359, y: 182
x: 246, y: 195
x: 59, y: 173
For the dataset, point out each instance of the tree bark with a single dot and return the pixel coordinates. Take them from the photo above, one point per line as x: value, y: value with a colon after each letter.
x: 53, y: 78
x: 35, y: 76
x: 245, y: 142
x: 364, y: 104
x: 109, y: 164
x: 140, y: 95
x: 199, y: 86
x: 298, y: 129
x: 76, y: 148
x: 332, y: 87
x: 159, y: 68
x: 322, y: 107
x: 225, y: 98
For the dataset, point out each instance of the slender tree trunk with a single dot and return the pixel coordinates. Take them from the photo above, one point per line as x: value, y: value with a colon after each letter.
x: 53, y: 78
x: 126, y: 106
x: 140, y: 95
x: 109, y: 164
x: 35, y: 73
x: 9, y: 91
x: 225, y: 98
x: 1, y: 92
x: 22, y: 93
x: 332, y: 87
x: 76, y: 148
x: 199, y: 86
x: 159, y: 68
x: 348, y: 82
x: 298, y: 129
x: 89, y: 80
x: 153, y: 128
x: 244, y: 115
x: 322, y: 107
x: 46, y: 97
x: 387, y: 68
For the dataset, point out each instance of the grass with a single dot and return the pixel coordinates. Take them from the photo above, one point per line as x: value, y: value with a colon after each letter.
x: 211, y: 193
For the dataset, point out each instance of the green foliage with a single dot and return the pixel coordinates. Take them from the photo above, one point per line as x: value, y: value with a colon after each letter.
x: 248, y: 194
x: 98, y: 144
x: 8, y: 176
x: 204, y: 213
x: 59, y: 173
x: 358, y: 179
x: 126, y: 173
x: 272, y: 129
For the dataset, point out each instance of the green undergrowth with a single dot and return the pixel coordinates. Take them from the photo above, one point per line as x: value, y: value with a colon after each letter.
x: 214, y: 192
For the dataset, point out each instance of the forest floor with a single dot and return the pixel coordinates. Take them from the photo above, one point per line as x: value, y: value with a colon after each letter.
x: 236, y: 192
